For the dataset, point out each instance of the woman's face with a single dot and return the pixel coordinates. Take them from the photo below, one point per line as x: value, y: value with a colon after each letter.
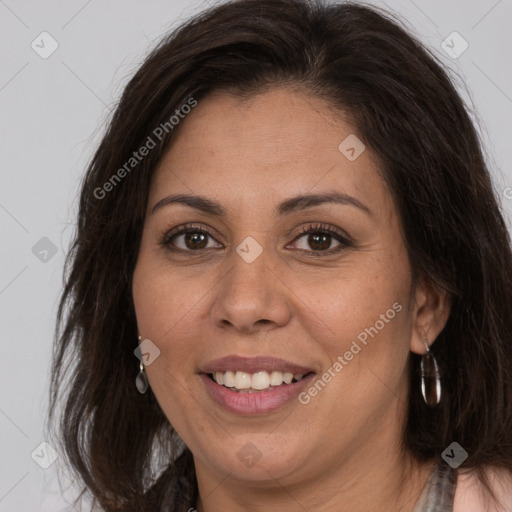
x: 245, y: 282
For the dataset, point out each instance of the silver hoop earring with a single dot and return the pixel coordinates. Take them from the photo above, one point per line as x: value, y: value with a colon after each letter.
x: 430, y: 378
x: 141, y: 380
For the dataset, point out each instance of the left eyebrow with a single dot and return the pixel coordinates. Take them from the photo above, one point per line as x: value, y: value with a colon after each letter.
x: 300, y: 202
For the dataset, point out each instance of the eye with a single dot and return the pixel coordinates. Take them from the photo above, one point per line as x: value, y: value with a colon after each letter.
x: 193, y: 239
x: 320, y: 238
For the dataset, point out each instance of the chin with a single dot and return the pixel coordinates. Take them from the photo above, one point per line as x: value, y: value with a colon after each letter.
x: 247, y: 462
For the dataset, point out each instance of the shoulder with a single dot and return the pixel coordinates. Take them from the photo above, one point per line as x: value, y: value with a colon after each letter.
x: 470, y: 495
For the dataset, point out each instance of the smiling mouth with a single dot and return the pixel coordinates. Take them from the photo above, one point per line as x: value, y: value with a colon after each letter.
x: 244, y: 382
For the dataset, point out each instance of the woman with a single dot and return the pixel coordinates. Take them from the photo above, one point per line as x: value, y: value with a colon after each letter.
x: 290, y: 286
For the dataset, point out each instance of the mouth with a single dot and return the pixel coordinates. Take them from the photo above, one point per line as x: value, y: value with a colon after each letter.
x: 245, y: 400
x: 254, y: 385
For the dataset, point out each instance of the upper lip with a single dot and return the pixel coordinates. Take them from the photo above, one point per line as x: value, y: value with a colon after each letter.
x: 253, y: 365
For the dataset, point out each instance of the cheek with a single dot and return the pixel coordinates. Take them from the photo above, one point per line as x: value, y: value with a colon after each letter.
x: 365, y: 298
x: 165, y: 297
x: 171, y: 306
x: 164, y: 310
x: 157, y: 310
x: 365, y: 324
x: 366, y: 328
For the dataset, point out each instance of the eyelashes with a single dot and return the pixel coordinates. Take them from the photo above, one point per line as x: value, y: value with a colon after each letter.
x: 198, y: 235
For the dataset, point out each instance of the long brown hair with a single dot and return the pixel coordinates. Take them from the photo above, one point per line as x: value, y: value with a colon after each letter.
x: 119, y: 443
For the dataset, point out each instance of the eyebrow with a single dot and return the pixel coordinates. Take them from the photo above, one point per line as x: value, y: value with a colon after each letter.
x: 299, y: 202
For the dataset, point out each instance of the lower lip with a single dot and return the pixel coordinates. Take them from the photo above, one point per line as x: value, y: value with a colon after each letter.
x: 254, y: 403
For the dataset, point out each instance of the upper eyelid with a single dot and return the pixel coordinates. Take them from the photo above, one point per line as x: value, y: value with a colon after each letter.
x: 310, y: 225
x: 181, y: 230
x: 314, y: 226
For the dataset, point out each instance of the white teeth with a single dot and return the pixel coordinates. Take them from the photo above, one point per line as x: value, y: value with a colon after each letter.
x: 260, y: 380
x: 257, y: 381
x: 228, y: 379
x: 242, y: 380
x: 288, y: 377
x: 276, y: 378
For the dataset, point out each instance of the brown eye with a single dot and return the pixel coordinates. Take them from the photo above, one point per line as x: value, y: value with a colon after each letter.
x: 319, y: 239
x: 319, y: 242
x: 190, y: 238
x: 195, y: 240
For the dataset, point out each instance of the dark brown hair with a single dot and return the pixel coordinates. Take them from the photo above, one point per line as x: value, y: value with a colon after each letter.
x: 119, y: 443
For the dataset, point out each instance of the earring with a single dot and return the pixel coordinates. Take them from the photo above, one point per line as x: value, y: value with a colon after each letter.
x: 141, y: 381
x: 430, y: 378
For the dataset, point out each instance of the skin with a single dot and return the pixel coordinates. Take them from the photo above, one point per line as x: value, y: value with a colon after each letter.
x: 341, y: 451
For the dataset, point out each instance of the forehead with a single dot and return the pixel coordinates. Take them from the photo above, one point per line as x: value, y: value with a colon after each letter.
x: 269, y: 146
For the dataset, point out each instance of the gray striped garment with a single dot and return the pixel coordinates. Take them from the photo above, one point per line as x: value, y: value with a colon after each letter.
x: 439, y: 491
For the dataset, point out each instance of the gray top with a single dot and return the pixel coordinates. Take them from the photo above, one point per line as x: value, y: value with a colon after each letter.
x: 439, y: 491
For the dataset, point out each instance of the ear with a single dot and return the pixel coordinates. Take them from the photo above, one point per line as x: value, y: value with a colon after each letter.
x: 431, y: 310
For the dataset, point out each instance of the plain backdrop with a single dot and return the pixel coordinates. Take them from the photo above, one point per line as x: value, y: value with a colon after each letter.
x: 53, y: 112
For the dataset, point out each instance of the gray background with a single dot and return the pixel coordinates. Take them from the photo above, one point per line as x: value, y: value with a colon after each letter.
x: 53, y: 113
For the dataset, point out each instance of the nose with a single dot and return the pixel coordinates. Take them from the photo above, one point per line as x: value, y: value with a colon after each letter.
x: 251, y: 296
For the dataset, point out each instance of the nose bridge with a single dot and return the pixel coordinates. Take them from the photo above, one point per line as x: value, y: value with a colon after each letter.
x: 250, y: 250
x: 251, y: 273
x: 250, y: 291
